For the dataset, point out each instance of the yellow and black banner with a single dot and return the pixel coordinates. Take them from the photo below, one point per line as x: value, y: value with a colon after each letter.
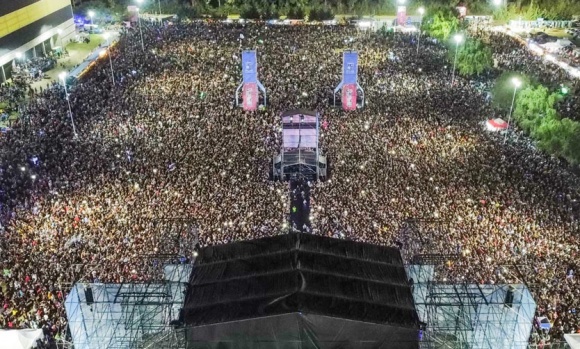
x: 9, y: 6
x: 17, y: 14
x: 29, y: 19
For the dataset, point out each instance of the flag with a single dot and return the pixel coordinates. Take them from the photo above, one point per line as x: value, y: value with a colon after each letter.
x: 250, y: 96
x: 349, y: 97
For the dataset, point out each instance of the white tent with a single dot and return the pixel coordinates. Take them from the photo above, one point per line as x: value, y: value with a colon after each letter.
x: 495, y: 125
x: 19, y: 339
x: 573, y: 340
x: 564, y: 42
x: 551, y: 46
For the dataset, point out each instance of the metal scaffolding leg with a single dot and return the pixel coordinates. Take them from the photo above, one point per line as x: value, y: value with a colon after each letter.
x: 455, y: 313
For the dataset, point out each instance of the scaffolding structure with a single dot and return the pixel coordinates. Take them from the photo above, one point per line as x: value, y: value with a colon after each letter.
x: 138, y: 314
x: 456, y: 314
x: 300, y: 153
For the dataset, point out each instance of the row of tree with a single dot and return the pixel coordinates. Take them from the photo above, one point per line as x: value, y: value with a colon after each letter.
x: 547, y: 9
x: 272, y: 9
x: 535, y: 108
x: 535, y: 111
x: 217, y: 9
x: 318, y: 13
x: 473, y: 56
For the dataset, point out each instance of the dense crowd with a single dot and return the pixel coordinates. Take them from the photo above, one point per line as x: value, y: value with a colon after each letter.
x: 166, y: 141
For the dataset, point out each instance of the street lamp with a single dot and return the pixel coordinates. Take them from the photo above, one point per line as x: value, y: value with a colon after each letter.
x: 458, y: 38
x: 140, y: 30
x: 91, y: 15
x: 102, y: 54
x: 62, y: 76
x: 421, y: 11
x: 20, y: 57
x: 517, y: 83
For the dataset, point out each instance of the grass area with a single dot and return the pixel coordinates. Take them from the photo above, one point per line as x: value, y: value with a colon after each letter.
x: 96, y: 40
x: 559, y: 33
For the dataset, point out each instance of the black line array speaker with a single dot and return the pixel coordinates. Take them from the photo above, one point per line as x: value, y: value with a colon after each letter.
x: 509, y: 297
x: 89, y: 296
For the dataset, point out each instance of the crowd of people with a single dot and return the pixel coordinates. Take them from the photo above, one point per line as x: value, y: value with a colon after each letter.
x: 166, y: 141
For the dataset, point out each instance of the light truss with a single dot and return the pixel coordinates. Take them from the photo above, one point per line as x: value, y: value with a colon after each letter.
x: 137, y: 314
x: 456, y: 314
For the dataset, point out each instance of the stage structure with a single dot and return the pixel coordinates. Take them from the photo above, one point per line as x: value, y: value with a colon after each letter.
x: 144, y: 311
x: 300, y: 156
x: 349, y: 84
x: 128, y: 315
x: 456, y: 313
x: 300, y: 291
x: 250, y: 83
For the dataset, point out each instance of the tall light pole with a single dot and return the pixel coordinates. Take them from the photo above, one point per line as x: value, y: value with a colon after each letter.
x: 62, y: 76
x: 159, y: 3
x: 102, y: 54
x: 517, y: 83
x: 140, y: 30
x: 457, y: 38
x: 91, y: 15
x: 421, y: 11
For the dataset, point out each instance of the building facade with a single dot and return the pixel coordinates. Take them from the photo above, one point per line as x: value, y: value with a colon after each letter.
x: 32, y: 28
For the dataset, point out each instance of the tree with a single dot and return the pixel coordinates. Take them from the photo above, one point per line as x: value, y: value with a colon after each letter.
x: 503, y: 89
x: 270, y: 12
x: 320, y: 14
x: 535, y: 112
x: 442, y: 23
x: 250, y: 12
x: 533, y: 104
x: 473, y: 57
x: 571, y: 149
x: 296, y: 13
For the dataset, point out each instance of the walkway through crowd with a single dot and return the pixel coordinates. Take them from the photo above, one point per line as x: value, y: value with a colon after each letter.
x: 300, y: 205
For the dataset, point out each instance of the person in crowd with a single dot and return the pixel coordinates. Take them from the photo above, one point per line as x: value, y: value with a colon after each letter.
x: 167, y: 141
